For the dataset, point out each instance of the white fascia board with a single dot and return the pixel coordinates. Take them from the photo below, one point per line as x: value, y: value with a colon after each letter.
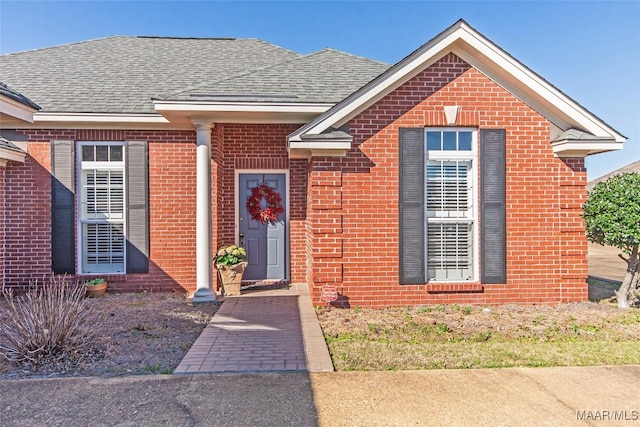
x: 98, y: 118
x: 323, y: 148
x: 583, y: 148
x: 11, y: 155
x: 250, y: 107
x: 528, y: 82
x: 505, y: 68
x: 321, y: 145
x: 16, y: 109
x: 381, y: 88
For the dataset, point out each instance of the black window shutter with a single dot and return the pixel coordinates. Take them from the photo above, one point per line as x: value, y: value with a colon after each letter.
x: 493, y: 246
x: 137, y: 178
x: 412, y: 245
x: 62, y: 208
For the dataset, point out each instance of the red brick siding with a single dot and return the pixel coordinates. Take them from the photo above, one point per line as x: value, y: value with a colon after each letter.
x: 546, y: 250
x: 172, y: 199
x: 262, y: 146
x: 172, y: 218
x: 27, y: 242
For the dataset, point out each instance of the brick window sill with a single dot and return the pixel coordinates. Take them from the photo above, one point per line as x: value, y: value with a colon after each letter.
x: 450, y: 288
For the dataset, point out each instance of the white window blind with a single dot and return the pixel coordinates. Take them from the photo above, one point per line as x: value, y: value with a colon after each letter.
x: 450, y: 251
x: 449, y: 204
x: 102, y: 214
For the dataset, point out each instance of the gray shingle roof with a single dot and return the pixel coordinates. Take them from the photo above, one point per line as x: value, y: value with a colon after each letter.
x: 576, y: 134
x: 123, y: 74
x: 15, y: 95
x: 630, y: 168
x: 8, y: 145
x: 326, y: 76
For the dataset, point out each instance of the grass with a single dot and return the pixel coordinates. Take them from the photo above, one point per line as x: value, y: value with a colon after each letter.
x: 436, y: 337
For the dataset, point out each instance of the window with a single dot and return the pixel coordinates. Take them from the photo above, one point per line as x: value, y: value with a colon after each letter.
x: 101, y: 218
x: 450, y: 179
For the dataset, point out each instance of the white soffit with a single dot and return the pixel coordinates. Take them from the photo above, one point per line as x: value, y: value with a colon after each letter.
x: 240, y: 112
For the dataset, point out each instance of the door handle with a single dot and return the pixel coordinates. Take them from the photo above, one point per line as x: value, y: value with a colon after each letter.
x: 241, y: 239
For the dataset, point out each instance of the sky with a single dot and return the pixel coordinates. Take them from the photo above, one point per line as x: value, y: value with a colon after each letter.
x: 588, y: 49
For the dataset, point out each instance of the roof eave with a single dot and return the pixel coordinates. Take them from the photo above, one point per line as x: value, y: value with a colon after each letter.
x: 10, y: 107
x: 485, y: 56
x: 12, y: 155
x: 320, y: 147
x: 240, y: 112
x: 584, y: 147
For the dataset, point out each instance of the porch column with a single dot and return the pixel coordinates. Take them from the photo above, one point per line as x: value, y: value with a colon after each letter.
x: 203, y: 213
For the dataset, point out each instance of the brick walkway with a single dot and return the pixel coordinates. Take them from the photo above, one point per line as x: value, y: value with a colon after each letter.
x: 260, y: 331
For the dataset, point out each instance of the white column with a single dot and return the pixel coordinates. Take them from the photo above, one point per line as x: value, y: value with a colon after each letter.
x: 203, y: 213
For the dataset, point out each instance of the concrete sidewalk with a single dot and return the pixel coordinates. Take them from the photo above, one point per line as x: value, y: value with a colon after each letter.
x: 605, y: 263
x: 577, y: 396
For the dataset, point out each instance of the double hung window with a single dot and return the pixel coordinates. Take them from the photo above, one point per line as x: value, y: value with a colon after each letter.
x: 451, y: 213
x: 101, y: 219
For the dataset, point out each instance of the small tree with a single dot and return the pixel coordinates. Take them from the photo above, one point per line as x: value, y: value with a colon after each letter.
x: 612, y: 216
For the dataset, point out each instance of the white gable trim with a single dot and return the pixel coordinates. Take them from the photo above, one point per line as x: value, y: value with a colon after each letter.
x: 489, y: 59
x: 15, y: 109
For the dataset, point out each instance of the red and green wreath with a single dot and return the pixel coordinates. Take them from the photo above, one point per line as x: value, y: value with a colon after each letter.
x: 274, y: 204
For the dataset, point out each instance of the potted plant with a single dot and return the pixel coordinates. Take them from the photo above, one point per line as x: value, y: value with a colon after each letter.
x: 231, y: 260
x: 96, y: 287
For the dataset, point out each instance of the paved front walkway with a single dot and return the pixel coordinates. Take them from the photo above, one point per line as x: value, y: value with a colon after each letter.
x: 261, y: 331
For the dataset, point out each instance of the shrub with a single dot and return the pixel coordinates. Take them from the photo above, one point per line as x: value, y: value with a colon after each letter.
x: 230, y: 255
x: 49, y: 325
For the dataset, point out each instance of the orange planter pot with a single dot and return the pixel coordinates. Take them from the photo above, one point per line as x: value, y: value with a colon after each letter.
x: 95, y: 291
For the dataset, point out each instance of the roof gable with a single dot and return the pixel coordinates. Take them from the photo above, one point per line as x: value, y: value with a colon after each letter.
x: 482, y: 54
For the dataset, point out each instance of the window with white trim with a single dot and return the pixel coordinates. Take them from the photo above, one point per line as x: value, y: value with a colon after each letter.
x: 101, y: 216
x: 451, y: 213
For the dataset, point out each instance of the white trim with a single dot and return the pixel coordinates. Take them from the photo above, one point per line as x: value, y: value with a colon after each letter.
x: 487, y: 58
x: 16, y: 109
x: 12, y: 155
x: 44, y: 117
x: 583, y: 148
x: 78, y: 207
x: 472, y: 157
x: 270, y: 107
x: 236, y: 198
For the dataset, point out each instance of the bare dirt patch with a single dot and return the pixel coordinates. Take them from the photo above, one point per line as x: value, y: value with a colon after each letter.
x: 145, y: 333
x: 476, y: 337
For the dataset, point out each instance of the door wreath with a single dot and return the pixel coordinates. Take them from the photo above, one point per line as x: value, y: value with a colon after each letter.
x: 274, y: 204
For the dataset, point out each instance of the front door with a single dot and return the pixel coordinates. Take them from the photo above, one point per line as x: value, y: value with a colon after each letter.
x: 266, y: 244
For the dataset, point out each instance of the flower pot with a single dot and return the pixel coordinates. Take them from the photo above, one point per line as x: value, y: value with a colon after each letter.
x: 231, y: 277
x: 95, y: 291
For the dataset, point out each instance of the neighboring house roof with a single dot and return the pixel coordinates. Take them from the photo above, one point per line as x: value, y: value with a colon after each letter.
x: 8, y: 151
x: 123, y: 74
x: 8, y: 145
x: 484, y: 55
x: 632, y: 167
x: 326, y: 76
x: 17, y: 96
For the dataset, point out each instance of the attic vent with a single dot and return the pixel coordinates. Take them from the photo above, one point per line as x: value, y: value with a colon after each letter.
x: 186, y: 38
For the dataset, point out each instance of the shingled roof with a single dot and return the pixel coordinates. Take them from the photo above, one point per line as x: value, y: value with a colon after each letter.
x: 17, y: 96
x: 123, y: 74
x: 326, y: 76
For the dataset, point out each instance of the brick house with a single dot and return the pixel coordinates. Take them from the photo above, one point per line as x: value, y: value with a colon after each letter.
x: 455, y: 175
